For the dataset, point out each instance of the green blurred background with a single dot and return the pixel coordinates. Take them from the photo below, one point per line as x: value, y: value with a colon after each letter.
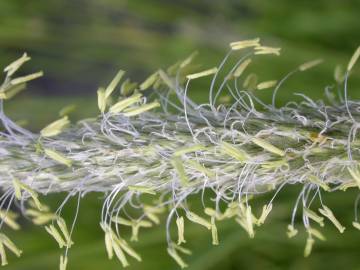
x: 80, y: 44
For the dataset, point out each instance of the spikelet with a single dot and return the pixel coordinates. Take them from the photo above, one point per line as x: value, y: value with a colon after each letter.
x: 58, y: 157
x: 180, y: 170
x: 268, y: 146
x: 234, y: 152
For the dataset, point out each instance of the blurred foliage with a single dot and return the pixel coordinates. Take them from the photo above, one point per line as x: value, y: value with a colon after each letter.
x: 80, y: 44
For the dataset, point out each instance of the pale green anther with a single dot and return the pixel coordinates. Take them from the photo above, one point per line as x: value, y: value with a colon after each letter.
x: 67, y: 110
x: 250, y: 81
x: 180, y: 228
x: 310, y: 64
x: 266, y: 84
x: 134, y: 224
x: 234, y: 152
x: 317, y: 181
x: 154, y: 218
x: 111, y: 87
x: 63, y: 228
x: 18, y: 186
x: 9, y: 219
x: 214, y: 233
x: 149, y: 81
x: 43, y: 219
x: 108, y: 245
x: 356, y: 225
x: 249, y: 222
x: 197, y: 219
x: 12, y: 91
x: 241, y: 68
x: 189, y: 149
x: 275, y: 164
x: 154, y: 209
x: 316, y: 233
x: 14, y: 66
x: 127, y: 87
x: 326, y: 211
x: 56, y: 235
x: 141, y: 109
x: 291, y: 231
x: 55, y: 127
x: 213, y: 213
x: 204, y: 73
x: 58, y: 157
x: 172, y: 252
x: 121, y: 221
x: 173, y: 69
x: 166, y: 79
x: 315, y: 217
x: 353, y: 59
x: 180, y: 170
x: 142, y: 189
x: 265, y: 212
x: 238, y: 45
x: 10, y: 245
x: 339, y: 74
x: 267, y: 50
x: 182, y: 249
x: 188, y: 60
x: 26, y: 78
x: 268, y: 146
x: 347, y: 185
x: 63, y: 262
x: 355, y: 175
x: 197, y: 166
x: 125, y: 247
x: 120, y: 254
x: 308, y: 247
x: 101, y: 99
x: 3, y: 255
x: 125, y: 103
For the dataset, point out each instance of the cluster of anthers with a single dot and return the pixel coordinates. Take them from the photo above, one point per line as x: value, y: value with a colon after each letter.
x: 150, y: 161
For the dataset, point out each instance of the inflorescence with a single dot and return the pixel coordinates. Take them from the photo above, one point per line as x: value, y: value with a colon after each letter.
x: 153, y: 141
